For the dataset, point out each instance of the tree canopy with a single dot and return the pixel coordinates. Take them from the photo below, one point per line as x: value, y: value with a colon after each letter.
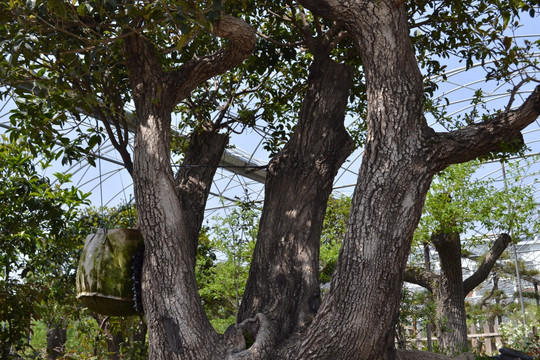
x: 312, y: 63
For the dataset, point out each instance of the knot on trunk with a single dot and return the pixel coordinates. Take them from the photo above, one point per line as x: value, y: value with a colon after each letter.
x: 240, y: 33
x: 253, y: 339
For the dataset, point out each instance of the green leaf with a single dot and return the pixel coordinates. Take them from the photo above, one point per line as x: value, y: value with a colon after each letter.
x: 507, y: 42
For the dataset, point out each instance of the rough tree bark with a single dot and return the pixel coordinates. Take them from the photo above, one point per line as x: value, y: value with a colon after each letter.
x: 284, y: 276
x: 171, y: 209
x: 357, y: 318
x: 450, y: 320
x: 450, y: 290
x: 401, y: 156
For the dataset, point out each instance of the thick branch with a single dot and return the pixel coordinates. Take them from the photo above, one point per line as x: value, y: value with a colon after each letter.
x: 480, y: 139
x: 195, y: 176
x: 283, y: 279
x: 485, y: 267
x: 419, y: 276
x: 175, y: 86
x: 504, y: 270
x: 325, y: 9
x: 191, y: 74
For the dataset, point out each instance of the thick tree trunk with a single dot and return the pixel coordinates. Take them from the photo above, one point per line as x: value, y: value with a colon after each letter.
x: 451, y: 316
x: 56, y: 342
x: 171, y: 210
x: 401, y: 156
x: 177, y: 325
x: 283, y: 282
x: 359, y: 313
x: 358, y: 317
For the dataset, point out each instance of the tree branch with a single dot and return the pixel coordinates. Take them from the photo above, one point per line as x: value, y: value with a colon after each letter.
x: 279, y: 43
x: 419, y: 276
x: 193, y: 183
x: 515, y: 90
x: 491, y: 293
x: 325, y: 9
x: 480, y: 139
x: 191, y: 74
x: 503, y: 270
x: 485, y: 267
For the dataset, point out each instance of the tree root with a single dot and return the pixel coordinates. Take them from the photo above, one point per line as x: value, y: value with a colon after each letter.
x: 254, y: 339
x: 238, y: 338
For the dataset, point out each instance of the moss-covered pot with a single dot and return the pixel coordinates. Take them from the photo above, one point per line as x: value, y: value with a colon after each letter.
x: 104, y: 275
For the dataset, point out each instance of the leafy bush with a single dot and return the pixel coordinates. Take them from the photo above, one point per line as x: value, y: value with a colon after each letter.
x: 521, y: 337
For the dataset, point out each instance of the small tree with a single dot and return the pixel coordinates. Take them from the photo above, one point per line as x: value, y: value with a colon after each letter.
x: 456, y: 204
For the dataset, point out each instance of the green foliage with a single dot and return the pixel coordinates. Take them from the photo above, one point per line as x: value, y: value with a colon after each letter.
x: 522, y: 337
x: 472, y: 31
x: 221, y: 283
x: 460, y: 202
x: 85, y: 339
x: 63, y: 57
x: 416, y: 307
x: 69, y: 54
x: 478, y: 33
x: 47, y: 292
x: 333, y: 232
x: 47, y: 134
x: 35, y: 244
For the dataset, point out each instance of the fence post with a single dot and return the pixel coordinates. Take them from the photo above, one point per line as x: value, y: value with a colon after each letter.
x: 498, y: 338
x: 487, y: 342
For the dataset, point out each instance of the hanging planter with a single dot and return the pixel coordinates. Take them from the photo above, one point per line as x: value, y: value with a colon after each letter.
x: 108, y: 276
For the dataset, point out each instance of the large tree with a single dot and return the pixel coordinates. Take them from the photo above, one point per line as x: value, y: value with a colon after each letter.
x: 102, y: 55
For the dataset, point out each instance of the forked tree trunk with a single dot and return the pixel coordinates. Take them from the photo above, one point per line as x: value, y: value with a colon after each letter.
x: 450, y: 290
x: 284, y: 275
x: 177, y: 325
x: 171, y: 209
x: 360, y: 310
x: 401, y: 156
